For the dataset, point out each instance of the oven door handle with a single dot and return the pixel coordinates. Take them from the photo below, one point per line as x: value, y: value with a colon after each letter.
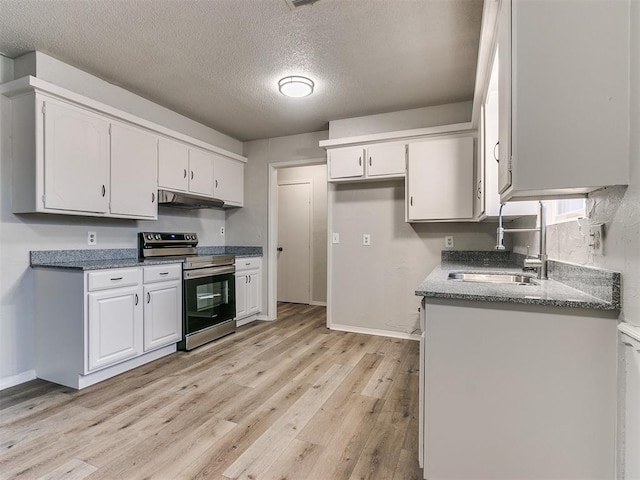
x: 208, y: 272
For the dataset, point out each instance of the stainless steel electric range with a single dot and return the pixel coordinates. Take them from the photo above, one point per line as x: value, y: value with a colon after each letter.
x: 209, y: 297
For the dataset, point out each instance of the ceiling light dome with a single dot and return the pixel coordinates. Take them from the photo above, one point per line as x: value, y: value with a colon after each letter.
x: 296, y: 86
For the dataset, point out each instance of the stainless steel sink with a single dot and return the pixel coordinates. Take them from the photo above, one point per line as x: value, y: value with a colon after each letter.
x: 490, y: 277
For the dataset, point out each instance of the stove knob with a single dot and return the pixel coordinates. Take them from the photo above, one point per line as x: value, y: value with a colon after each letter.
x: 193, y: 237
x: 187, y: 237
x: 157, y: 236
x: 149, y: 237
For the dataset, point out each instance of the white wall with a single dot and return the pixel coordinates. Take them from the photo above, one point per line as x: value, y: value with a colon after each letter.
x: 318, y: 176
x: 21, y: 233
x: 249, y: 225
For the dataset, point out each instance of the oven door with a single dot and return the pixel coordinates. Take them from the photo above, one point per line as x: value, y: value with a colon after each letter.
x: 209, y: 300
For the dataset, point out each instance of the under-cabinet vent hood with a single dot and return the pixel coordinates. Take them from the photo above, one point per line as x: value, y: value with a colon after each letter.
x: 186, y: 200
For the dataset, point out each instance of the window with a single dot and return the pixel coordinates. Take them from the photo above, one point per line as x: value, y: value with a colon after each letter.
x: 566, y: 210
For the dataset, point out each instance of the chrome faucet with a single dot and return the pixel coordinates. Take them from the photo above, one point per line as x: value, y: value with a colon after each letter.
x: 540, y: 262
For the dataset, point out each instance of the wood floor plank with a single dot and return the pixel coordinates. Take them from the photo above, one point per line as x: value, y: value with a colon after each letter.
x: 276, y: 400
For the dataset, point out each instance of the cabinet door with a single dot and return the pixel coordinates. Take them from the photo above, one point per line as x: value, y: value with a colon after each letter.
x: 253, y: 292
x: 76, y: 158
x: 200, y: 172
x: 162, y: 314
x: 386, y: 160
x: 134, y: 172
x: 241, y: 295
x: 440, y: 179
x: 229, y: 181
x: 115, y: 326
x: 504, y: 96
x: 346, y: 162
x: 173, y: 165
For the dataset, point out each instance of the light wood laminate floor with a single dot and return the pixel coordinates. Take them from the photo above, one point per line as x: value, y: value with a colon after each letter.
x: 277, y: 400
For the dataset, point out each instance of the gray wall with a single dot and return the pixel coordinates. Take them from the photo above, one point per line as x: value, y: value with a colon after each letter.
x: 63, y: 75
x: 402, y: 120
x: 318, y: 176
x: 372, y: 287
x: 249, y: 225
x: 21, y: 233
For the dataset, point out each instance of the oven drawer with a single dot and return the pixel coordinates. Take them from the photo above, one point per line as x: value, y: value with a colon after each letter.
x: 120, y: 277
x: 247, y: 263
x: 162, y: 273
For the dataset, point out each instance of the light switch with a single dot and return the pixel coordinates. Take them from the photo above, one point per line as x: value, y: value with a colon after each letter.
x: 336, y: 237
x: 366, y: 239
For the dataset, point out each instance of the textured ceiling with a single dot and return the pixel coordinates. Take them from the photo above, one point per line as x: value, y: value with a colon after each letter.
x: 218, y: 61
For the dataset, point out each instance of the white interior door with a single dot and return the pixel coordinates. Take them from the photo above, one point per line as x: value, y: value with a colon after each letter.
x: 294, y: 226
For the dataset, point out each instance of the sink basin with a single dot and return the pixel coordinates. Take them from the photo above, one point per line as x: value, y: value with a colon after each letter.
x: 488, y: 277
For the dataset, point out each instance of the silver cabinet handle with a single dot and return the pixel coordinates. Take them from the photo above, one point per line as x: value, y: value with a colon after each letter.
x: 246, y: 279
x: 411, y: 201
x: 495, y: 155
x: 249, y: 279
x: 185, y: 173
x: 216, y: 183
x: 153, y: 197
x: 104, y: 190
x: 191, y: 174
x: 136, y: 299
x: 115, y: 279
x: 370, y: 164
x: 164, y: 273
x: 148, y: 297
x: 360, y: 161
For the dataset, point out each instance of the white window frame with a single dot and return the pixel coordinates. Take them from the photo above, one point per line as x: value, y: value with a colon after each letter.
x: 570, y: 213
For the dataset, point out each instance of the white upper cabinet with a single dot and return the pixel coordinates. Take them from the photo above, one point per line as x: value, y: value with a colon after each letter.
x: 75, y: 156
x: 134, y: 167
x: 228, y: 181
x: 173, y: 165
x: 200, y: 172
x: 386, y: 159
x: 346, y: 163
x: 439, y: 184
x: 564, y: 97
x: 75, y: 143
x: 369, y: 162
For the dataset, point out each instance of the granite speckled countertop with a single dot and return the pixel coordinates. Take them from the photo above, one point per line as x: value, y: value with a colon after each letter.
x: 100, y: 259
x: 568, y: 285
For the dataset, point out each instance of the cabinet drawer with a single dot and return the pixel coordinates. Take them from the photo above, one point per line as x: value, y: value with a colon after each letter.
x: 247, y: 263
x: 122, y: 277
x: 161, y: 273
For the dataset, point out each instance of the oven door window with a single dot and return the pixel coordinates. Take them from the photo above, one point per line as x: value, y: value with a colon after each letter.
x: 209, y: 301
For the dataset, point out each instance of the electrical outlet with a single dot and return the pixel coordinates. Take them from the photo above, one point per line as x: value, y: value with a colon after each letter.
x: 92, y: 238
x: 596, y: 239
x: 448, y: 241
x: 222, y: 231
x: 336, y: 237
x: 366, y: 239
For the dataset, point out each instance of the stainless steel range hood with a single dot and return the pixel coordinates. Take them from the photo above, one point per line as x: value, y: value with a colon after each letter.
x: 186, y: 200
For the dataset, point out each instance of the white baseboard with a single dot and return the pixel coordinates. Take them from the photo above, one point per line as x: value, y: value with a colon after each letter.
x: 264, y: 318
x: 319, y: 304
x: 14, y: 380
x: 375, y: 331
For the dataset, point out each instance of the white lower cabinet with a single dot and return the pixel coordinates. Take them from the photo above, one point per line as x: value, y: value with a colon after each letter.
x: 517, y: 391
x: 162, y: 306
x: 93, y: 325
x: 114, y: 326
x: 248, y: 289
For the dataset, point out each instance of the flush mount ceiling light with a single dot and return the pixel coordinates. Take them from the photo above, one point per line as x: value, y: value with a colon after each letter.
x: 296, y: 86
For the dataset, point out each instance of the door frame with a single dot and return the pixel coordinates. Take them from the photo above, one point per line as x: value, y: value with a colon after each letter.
x: 305, y: 181
x: 272, y: 233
